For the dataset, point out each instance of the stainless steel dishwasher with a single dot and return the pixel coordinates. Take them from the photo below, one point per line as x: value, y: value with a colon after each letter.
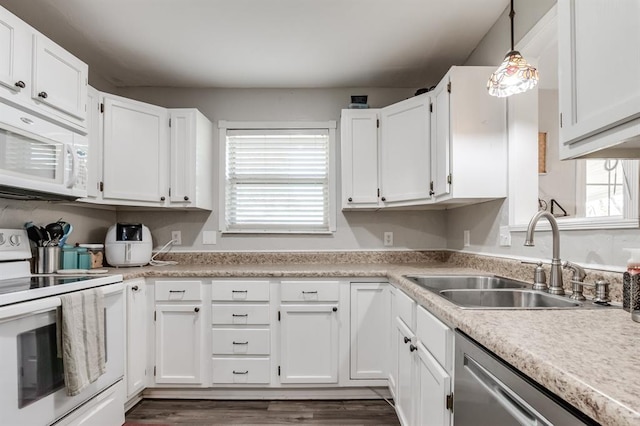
x: 490, y: 392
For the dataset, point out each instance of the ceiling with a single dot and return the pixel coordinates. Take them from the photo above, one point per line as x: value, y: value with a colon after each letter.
x: 265, y: 43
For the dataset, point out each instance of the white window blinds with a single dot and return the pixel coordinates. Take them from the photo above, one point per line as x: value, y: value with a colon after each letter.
x: 277, y: 180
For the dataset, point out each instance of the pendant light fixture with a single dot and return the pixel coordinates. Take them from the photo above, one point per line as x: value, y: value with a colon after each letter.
x: 514, y: 75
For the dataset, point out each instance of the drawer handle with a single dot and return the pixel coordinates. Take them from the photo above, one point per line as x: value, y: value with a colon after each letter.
x: 240, y: 372
x: 177, y: 291
x: 239, y: 315
x: 20, y: 84
x: 135, y: 288
x: 406, y: 340
x: 310, y: 292
x: 240, y: 343
x: 196, y: 310
x: 238, y: 291
x: 43, y: 95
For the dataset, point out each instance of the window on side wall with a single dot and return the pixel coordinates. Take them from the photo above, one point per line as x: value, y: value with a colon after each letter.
x: 278, y: 178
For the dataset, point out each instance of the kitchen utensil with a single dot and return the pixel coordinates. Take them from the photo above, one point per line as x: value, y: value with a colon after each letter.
x: 46, y: 238
x: 55, y: 232
x: 35, y: 235
x: 67, y: 229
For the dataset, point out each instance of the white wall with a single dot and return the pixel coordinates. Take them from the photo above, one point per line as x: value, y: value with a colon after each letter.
x: 355, y: 230
x: 595, y: 248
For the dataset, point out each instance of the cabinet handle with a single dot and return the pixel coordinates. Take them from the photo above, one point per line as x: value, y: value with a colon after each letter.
x: 43, y: 95
x: 20, y: 84
x: 162, y: 198
x: 241, y: 372
x: 310, y: 292
x: 135, y: 288
x: 383, y: 199
x: 239, y: 315
x: 186, y: 198
x: 412, y: 348
x: 240, y: 343
x: 334, y: 309
x: 177, y: 291
x: 406, y: 340
x: 238, y: 291
x: 350, y: 199
x: 196, y: 310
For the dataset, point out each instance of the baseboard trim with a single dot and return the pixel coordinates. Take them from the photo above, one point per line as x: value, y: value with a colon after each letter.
x: 249, y: 393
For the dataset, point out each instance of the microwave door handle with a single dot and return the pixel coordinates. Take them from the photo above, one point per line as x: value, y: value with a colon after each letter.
x: 127, y: 252
x: 73, y: 176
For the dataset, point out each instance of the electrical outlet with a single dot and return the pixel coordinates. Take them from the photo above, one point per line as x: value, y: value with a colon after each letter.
x: 208, y: 237
x: 467, y: 238
x: 176, y: 236
x: 505, y: 237
x: 388, y: 239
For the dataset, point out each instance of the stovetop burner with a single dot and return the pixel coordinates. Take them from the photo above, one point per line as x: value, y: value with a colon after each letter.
x: 33, y: 282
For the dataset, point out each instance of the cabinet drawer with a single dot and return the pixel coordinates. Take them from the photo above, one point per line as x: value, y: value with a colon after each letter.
x: 241, y: 370
x: 178, y: 291
x: 436, y: 337
x: 310, y: 291
x: 229, y: 341
x: 253, y: 291
x: 240, y: 313
x: 405, y: 308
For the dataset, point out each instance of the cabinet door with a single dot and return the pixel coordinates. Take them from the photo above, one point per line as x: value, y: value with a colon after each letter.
x: 599, y: 66
x: 309, y: 344
x: 440, y: 139
x: 370, y: 330
x: 359, y: 143
x: 14, y: 52
x: 59, y: 79
x: 183, y: 127
x: 405, y: 151
x: 135, y: 151
x: 178, y: 343
x: 433, y: 390
x: 406, y: 373
x: 136, y: 371
x: 393, y: 343
x: 94, y: 134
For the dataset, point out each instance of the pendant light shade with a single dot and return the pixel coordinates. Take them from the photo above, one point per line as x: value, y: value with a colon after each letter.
x: 514, y: 75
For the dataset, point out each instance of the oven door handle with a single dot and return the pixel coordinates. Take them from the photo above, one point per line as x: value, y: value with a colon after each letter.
x: 17, y: 310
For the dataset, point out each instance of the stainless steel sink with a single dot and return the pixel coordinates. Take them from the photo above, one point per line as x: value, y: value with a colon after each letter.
x: 436, y: 283
x: 507, y: 299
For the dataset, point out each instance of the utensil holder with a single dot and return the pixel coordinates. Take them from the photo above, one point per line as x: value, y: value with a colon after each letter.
x: 48, y: 260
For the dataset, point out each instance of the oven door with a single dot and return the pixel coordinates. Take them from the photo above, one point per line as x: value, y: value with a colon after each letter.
x: 39, y: 156
x: 31, y: 373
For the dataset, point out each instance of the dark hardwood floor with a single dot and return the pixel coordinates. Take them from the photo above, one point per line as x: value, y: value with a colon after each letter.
x: 204, y: 412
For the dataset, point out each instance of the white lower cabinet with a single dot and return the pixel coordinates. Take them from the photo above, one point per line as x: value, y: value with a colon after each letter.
x: 309, y: 343
x: 405, y: 379
x: 434, y: 386
x: 179, y: 332
x: 370, y: 324
x: 136, y: 356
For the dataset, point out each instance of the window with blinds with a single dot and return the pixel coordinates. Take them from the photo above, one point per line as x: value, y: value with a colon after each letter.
x: 277, y: 181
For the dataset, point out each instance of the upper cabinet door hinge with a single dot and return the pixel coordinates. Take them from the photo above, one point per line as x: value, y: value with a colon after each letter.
x: 154, y: 370
x: 378, y: 123
x: 378, y: 192
x: 278, y: 370
x: 101, y: 186
x: 449, y: 179
x: 449, y: 402
x: 101, y: 107
x: 278, y: 315
x: 154, y: 315
x: 169, y: 122
x: 561, y: 120
x: 431, y: 107
x: 449, y: 87
x: 169, y: 192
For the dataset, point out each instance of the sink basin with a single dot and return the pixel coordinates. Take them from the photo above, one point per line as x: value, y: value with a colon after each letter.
x: 436, y: 283
x: 507, y: 299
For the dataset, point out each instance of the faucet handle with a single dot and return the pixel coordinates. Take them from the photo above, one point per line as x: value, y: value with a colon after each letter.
x: 539, y: 278
x: 579, y: 273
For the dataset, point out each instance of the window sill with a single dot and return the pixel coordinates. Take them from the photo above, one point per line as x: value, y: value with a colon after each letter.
x: 580, y: 224
x: 278, y: 232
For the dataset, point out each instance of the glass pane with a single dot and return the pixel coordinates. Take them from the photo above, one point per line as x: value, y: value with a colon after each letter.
x: 604, y: 200
x: 24, y: 156
x: 40, y: 371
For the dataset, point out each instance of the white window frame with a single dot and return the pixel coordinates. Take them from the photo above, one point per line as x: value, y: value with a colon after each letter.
x: 523, y: 188
x: 224, y: 126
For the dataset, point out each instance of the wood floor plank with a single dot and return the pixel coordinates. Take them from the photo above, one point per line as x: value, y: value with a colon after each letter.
x: 168, y: 412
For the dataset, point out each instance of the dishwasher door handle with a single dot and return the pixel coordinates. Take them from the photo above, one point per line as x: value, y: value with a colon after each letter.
x: 508, y: 399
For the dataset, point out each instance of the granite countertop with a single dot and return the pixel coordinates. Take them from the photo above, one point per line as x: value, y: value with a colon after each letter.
x: 588, y: 357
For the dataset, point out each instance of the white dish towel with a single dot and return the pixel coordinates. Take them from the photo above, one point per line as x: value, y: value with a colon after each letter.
x: 82, y: 338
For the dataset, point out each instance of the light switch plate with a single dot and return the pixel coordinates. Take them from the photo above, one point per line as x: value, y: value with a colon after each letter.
x: 505, y: 237
x: 209, y: 237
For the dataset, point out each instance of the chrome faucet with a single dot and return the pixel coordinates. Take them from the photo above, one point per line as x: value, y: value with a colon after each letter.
x: 555, y: 279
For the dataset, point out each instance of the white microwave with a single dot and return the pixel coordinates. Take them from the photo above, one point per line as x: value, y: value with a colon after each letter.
x: 40, y: 159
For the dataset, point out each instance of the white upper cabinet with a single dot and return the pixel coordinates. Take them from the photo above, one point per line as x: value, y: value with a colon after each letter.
x: 405, y: 152
x: 359, y: 143
x: 191, y: 159
x: 469, y: 139
x: 59, y: 78
x: 135, y: 161
x: 38, y: 75
x: 599, y: 88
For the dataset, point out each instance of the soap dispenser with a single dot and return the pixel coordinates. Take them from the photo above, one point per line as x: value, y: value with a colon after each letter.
x: 631, y: 283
